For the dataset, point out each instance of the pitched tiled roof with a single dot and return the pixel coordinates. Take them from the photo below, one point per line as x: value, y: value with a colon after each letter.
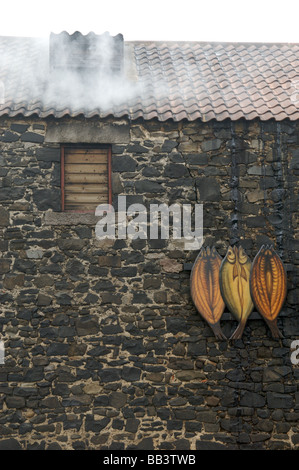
x: 163, y: 80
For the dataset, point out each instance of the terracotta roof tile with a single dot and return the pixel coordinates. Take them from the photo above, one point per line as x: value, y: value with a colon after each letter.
x: 166, y: 80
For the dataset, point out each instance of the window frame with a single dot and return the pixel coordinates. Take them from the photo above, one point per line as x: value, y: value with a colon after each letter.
x: 62, y: 172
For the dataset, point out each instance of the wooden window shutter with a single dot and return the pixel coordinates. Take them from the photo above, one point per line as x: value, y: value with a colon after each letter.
x: 85, y: 178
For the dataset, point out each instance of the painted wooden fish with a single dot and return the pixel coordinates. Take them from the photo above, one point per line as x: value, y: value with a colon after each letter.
x: 235, y: 286
x: 268, y: 285
x: 205, y: 289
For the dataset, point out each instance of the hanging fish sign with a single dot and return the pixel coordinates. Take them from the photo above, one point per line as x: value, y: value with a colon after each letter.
x: 235, y: 286
x: 205, y: 289
x: 268, y: 286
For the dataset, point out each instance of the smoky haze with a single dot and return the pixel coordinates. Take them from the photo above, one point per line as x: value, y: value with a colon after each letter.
x: 82, y: 73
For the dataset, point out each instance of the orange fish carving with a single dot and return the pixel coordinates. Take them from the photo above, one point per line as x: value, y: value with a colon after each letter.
x: 235, y: 288
x: 205, y: 289
x: 268, y: 286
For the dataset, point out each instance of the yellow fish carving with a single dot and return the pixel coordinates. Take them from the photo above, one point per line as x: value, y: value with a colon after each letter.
x: 205, y: 289
x: 235, y: 286
x: 268, y: 284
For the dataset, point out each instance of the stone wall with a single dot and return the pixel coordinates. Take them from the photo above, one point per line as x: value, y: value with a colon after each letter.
x: 103, y: 346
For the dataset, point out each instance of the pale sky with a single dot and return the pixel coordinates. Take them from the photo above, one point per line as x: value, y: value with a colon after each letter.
x: 184, y: 20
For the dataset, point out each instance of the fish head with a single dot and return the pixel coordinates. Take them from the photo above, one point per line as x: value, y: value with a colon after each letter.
x: 231, y: 255
x: 242, y: 256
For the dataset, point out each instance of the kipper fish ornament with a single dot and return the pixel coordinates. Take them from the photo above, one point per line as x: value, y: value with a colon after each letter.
x: 234, y: 281
x: 268, y: 285
x: 205, y: 289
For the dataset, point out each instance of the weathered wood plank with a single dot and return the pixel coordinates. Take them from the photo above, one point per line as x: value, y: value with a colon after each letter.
x: 85, y: 188
x: 83, y: 151
x: 85, y: 168
x: 85, y: 197
x: 86, y: 158
x: 86, y: 178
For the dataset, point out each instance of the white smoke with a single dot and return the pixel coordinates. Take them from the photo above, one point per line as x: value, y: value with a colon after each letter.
x: 80, y: 80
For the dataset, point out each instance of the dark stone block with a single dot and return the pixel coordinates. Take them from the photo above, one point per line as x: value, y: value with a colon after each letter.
x: 95, y: 425
x: 25, y: 266
x: 209, y: 145
x: 134, y: 346
x: 71, y: 244
x: 295, y: 160
x: 48, y: 332
x: 109, y: 375
x: 268, y: 182
x: 279, y: 400
x: 150, y: 172
x: 87, y: 326
x: 79, y: 445
x: 111, y: 329
x: 103, y: 285
x: 174, y: 170
x: 102, y: 400
x: 137, y: 148
x: 131, y: 374
x: 252, y: 399
x: 258, y: 221
x: 13, y: 194
x: 4, y: 265
x: 74, y: 267
x: 9, y: 136
x: 61, y: 390
x: 198, y: 348
x: 184, y: 414
x: 182, y: 444
x: 32, y: 137
x: 129, y: 271
x: 25, y: 428
x: 66, y: 332
x: 112, y: 261
x: 91, y: 299
x: 4, y: 217
x: 168, y: 146
x: 110, y: 298
x: 118, y: 424
x: 20, y: 128
x: 63, y: 299
x: 117, y: 399
x: 197, y: 159
x: 132, y: 425
x: 148, y: 186
x: 48, y: 154
x: 151, y: 268
x: 208, y: 189
x: 47, y: 199
x: 83, y: 232
x: 145, y: 444
x: 36, y: 446
x: 123, y: 163
x: 208, y: 445
x: 43, y: 300
x: 98, y: 351
x: 57, y: 349
x: 10, y: 444
x: 176, y: 325
x: 15, y: 402
x: 50, y: 269
x: 152, y: 283
x: 141, y: 298
x: 193, y: 426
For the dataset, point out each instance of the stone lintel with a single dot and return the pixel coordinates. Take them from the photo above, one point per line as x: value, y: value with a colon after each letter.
x: 70, y: 218
x: 87, y: 132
